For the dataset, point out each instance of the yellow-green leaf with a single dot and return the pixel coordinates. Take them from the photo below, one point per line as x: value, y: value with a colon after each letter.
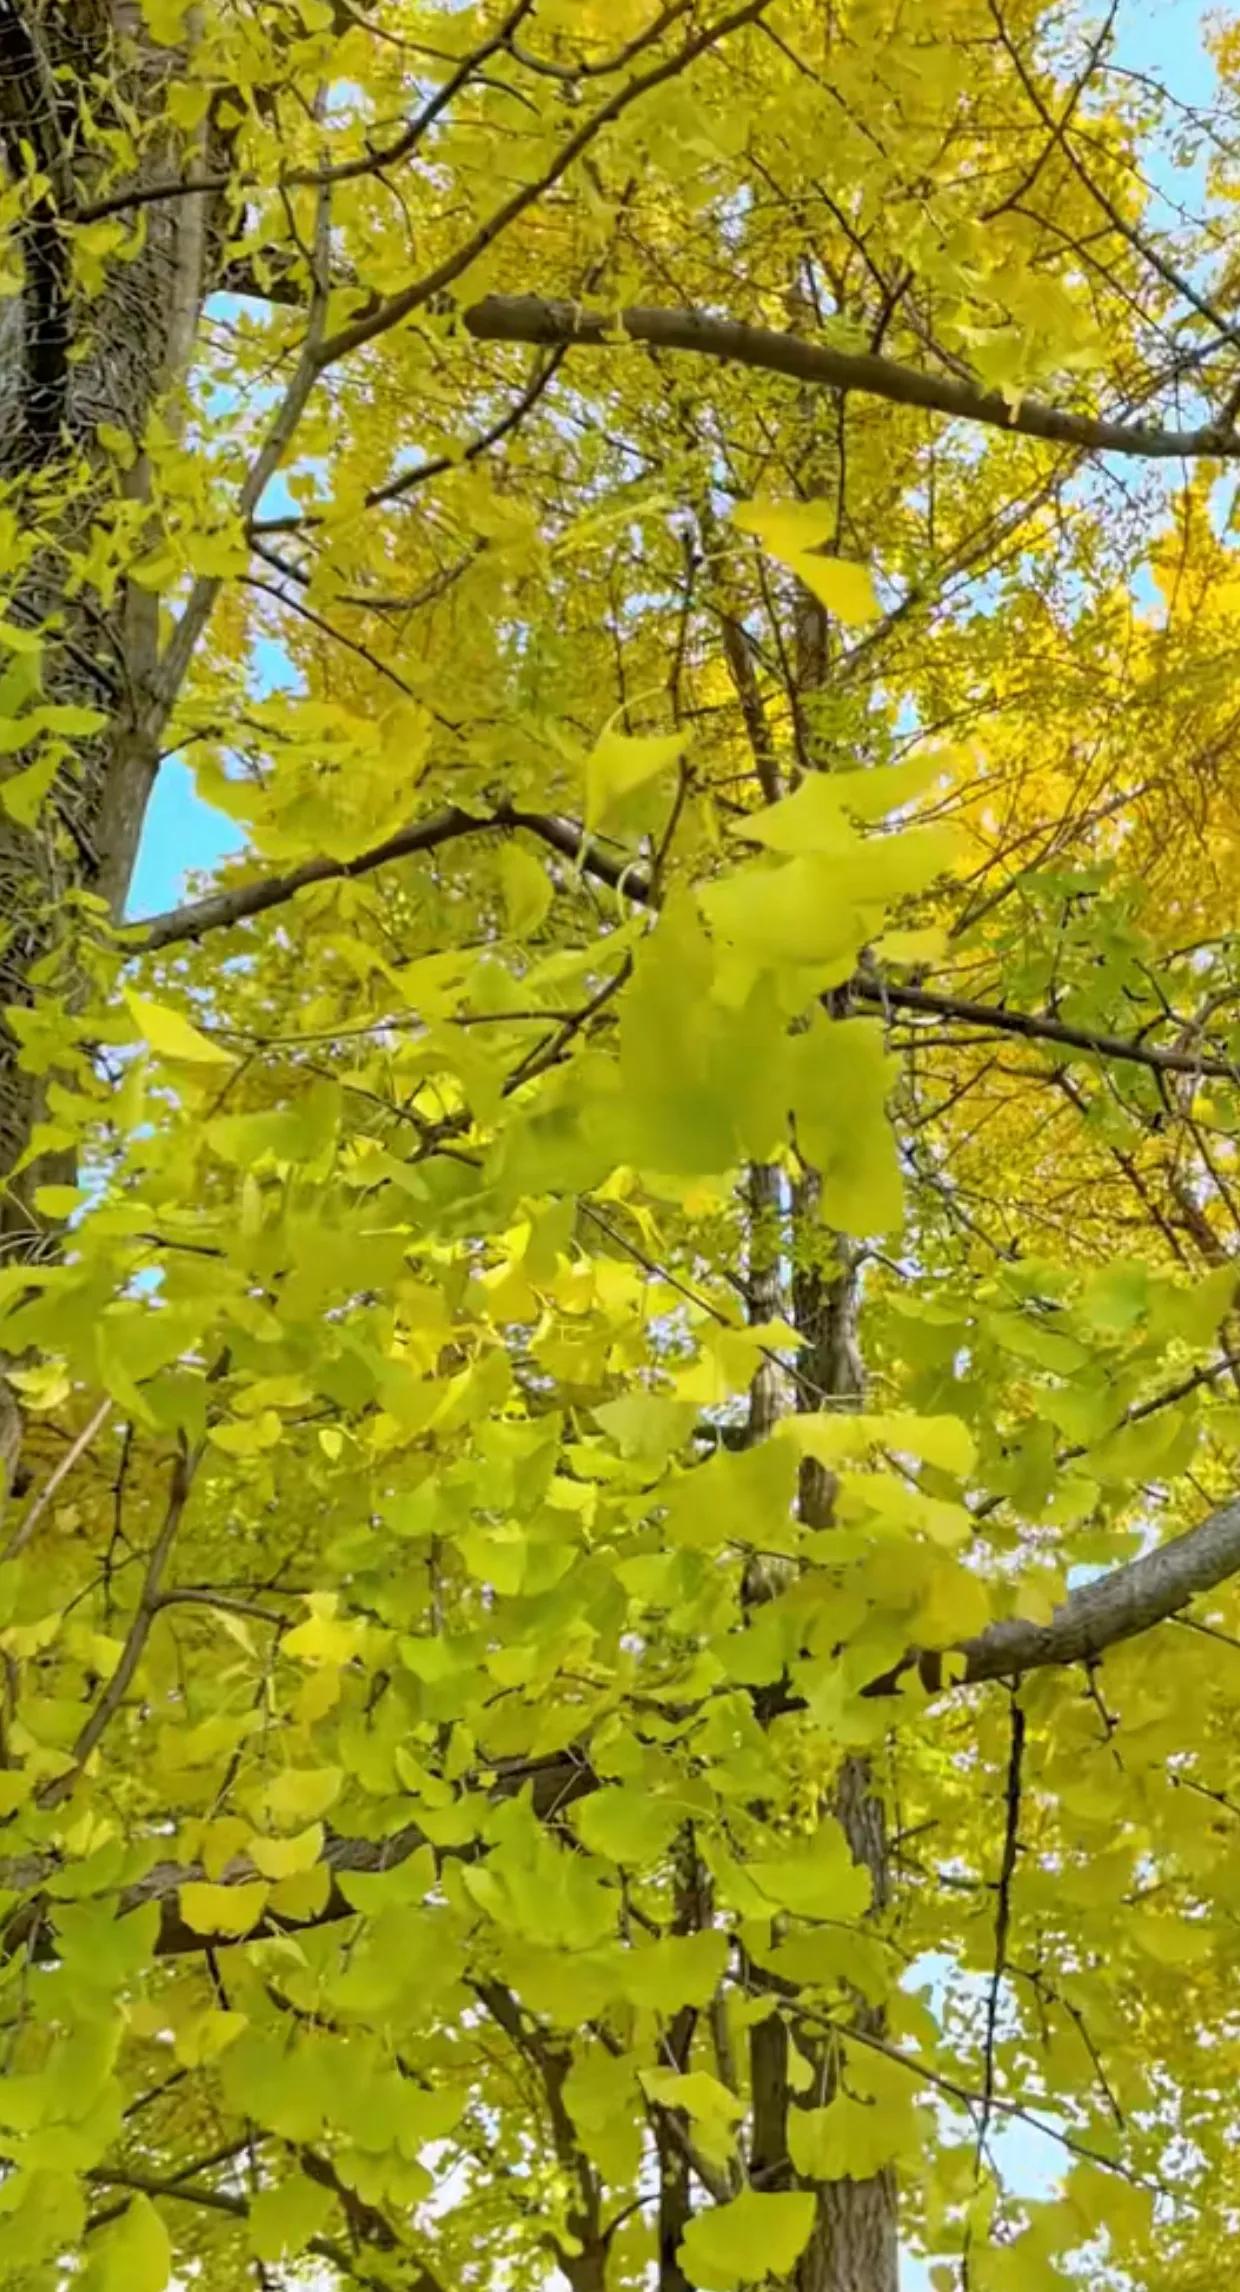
x: 132, y: 2254
x: 758, y: 2236
x: 626, y: 1825
x: 794, y: 532
x: 285, y: 2217
x: 696, y: 2092
x: 230, y: 1911
x: 285, y: 1857
x: 815, y: 1877
x: 527, y: 890
x: 833, y: 1436
x: 172, y: 1035
x: 248, y: 1436
x: 623, y: 762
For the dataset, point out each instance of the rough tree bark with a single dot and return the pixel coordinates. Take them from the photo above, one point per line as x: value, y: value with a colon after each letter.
x: 68, y: 363
x: 854, y: 2246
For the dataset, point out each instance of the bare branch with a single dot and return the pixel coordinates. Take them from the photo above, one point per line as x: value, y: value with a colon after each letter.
x: 26, y: 1527
x: 179, y: 651
x: 110, y: 1701
x: 529, y: 318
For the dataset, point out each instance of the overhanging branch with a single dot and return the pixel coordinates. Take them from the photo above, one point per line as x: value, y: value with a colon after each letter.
x: 553, y: 324
x: 1041, y: 1026
x: 1115, y: 1608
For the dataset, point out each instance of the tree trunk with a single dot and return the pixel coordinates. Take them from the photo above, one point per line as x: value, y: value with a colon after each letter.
x: 69, y: 363
x: 854, y: 2246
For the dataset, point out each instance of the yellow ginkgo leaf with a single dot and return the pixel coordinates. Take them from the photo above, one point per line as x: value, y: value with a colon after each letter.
x: 286, y: 1857
x: 172, y: 1036
x: 623, y: 762
x: 227, y: 1910
x: 843, y: 586
x: 786, y: 529
x: 794, y: 532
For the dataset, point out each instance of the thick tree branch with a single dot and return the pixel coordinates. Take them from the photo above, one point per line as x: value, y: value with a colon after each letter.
x: 530, y: 318
x: 1116, y: 1607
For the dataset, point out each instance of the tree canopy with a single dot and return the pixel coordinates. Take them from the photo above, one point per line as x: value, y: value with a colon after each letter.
x: 620, y: 1568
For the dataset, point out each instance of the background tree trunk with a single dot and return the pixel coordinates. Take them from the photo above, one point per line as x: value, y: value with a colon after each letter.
x: 854, y: 2246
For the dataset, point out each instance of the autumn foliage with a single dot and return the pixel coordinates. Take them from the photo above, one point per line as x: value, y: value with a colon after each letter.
x: 619, y: 1632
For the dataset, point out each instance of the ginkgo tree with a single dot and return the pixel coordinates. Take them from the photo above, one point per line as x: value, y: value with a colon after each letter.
x: 619, y: 1629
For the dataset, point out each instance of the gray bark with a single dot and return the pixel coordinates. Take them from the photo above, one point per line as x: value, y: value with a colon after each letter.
x: 67, y: 364
x: 539, y: 320
x: 854, y: 2246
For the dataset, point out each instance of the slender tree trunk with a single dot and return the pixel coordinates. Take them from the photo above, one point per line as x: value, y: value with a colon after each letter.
x: 855, y: 2243
x: 854, y: 2247
x: 768, y: 2040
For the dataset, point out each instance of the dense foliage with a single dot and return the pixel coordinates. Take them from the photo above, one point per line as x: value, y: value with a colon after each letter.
x: 619, y: 1643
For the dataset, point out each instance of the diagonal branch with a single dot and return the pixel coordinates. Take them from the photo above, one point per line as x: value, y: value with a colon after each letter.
x: 1168, y: 272
x: 1116, y: 1607
x: 26, y: 1526
x: 222, y: 909
x: 1039, y: 1026
x: 530, y: 318
x: 373, y: 161
x: 100, y: 1718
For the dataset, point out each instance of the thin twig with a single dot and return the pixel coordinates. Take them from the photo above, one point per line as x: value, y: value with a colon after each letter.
x: 114, y: 1693
x: 25, y: 1529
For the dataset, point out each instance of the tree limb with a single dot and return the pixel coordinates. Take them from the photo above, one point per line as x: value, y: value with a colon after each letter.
x: 1116, y: 1607
x: 533, y: 319
x: 114, y: 1693
x: 1039, y: 1026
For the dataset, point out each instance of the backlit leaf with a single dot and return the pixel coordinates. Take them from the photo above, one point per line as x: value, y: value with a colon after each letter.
x: 173, y: 1036
x: 759, y: 2234
x: 621, y: 763
x: 133, y: 2253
